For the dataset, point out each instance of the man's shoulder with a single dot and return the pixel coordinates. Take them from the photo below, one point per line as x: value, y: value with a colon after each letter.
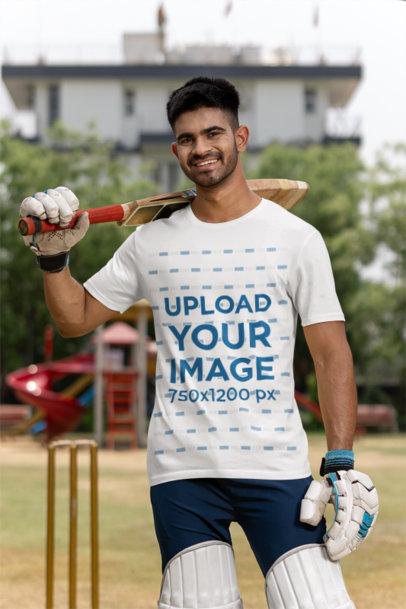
x: 287, y: 222
x: 161, y: 225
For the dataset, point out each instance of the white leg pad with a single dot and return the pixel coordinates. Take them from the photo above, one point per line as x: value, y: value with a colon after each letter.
x: 306, y: 578
x: 201, y: 577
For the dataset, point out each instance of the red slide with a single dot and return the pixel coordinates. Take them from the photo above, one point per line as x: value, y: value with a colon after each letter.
x: 33, y: 386
x: 305, y: 402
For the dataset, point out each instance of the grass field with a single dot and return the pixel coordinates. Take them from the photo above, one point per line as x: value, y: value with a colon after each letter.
x: 130, y: 561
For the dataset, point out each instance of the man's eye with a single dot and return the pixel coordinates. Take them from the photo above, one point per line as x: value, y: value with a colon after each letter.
x: 213, y: 133
x: 184, y: 140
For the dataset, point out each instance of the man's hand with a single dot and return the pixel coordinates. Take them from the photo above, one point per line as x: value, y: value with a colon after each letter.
x: 57, y: 206
x: 355, y: 500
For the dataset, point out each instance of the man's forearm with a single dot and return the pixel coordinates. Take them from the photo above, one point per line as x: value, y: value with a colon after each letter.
x: 337, y: 393
x: 65, y: 299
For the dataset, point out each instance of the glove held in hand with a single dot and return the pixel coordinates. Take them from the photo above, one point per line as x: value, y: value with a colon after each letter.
x: 356, y: 506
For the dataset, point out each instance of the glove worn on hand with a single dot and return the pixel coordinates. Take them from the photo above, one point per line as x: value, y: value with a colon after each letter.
x: 355, y: 500
x: 57, y: 206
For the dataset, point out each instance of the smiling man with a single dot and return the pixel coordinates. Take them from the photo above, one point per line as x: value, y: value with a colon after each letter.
x: 227, y: 277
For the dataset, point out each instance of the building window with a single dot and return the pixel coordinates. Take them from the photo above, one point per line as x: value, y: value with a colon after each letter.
x: 30, y: 96
x: 310, y: 100
x: 53, y: 104
x: 245, y: 99
x: 129, y: 102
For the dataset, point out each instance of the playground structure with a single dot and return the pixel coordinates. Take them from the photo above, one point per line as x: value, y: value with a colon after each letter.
x: 112, y: 377
x: 73, y: 448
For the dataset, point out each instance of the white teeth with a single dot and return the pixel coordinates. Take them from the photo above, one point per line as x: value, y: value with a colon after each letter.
x: 206, y: 163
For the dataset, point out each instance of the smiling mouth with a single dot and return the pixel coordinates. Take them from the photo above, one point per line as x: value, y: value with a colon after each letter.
x: 207, y: 163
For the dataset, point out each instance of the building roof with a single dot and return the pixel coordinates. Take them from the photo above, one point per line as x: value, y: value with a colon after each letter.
x: 119, y: 333
x: 179, y: 71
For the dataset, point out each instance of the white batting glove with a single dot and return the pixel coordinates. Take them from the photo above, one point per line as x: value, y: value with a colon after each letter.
x: 355, y: 501
x: 57, y: 205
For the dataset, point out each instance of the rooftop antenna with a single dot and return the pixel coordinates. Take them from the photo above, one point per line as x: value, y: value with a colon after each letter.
x: 161, y: 21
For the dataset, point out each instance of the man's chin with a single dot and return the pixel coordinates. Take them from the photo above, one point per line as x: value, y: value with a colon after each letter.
x: 207, y: 181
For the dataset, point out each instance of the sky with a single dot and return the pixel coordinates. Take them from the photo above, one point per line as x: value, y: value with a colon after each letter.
x: 377, y: 27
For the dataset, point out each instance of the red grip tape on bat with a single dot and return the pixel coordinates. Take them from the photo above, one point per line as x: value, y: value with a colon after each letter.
x: 110, y: 213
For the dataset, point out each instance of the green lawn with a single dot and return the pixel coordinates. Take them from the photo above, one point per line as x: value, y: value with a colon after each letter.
x: 130, y: 561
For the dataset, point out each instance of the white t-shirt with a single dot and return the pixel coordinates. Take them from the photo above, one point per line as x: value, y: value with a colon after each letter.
x: 225, y: 298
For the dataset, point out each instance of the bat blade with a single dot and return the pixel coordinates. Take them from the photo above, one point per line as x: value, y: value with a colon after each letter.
x: 284, y: 192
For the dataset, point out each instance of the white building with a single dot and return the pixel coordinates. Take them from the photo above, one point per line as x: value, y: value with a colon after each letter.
x: 283, y: 97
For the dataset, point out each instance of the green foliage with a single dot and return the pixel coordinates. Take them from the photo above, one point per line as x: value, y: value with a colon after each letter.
x: 384, y: 302
x: 333, y: 207
x: 89, y: 167
x: 340, y: 186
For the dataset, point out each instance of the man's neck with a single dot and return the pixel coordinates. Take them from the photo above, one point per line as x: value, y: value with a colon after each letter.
x: 226, y: 201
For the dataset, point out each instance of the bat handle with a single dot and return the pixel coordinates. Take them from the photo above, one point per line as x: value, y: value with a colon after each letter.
x: 109, y: 213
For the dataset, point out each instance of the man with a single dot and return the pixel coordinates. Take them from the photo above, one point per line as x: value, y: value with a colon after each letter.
x: 226, y: 278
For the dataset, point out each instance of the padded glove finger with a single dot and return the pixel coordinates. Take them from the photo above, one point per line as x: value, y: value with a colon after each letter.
x: 50, y: 206
x: 64, y: 208
x: 314, y: 502
x: 69, y: 196
x: 31, y: 206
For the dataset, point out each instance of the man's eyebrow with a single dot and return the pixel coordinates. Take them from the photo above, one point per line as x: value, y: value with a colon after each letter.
x: 214, y: 128
x: 204, y: 131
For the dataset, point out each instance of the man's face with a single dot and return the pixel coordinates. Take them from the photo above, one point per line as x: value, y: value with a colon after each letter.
x: 207, y: 146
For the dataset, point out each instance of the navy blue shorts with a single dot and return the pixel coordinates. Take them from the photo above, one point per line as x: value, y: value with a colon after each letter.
x: 187, y: 512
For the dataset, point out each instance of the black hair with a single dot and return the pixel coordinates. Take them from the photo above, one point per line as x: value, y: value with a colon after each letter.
x: 203, y: 92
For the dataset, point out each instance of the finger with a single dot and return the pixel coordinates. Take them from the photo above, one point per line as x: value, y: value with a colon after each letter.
x: 335, y: 547
x: 32, y: 207
x: 356, y: 476
x: 337, y: 553
x: 335, y: 531
x: 367, y: 499
x: 314, y: 503
x: 69, y: 197
x: 65, y: 210
x: 50, y: 206
x: 314, y: 491
x: 310, y: 512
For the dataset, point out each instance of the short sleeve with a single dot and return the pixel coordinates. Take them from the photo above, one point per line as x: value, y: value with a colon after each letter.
x: 311, y: 283
x: 117, y: 284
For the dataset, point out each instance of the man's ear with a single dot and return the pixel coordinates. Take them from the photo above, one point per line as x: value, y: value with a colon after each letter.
x: 174, y: 148
x: 241, y: 137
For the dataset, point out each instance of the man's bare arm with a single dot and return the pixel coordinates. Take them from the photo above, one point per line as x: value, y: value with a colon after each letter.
x: 74, y: 311
x: 337, y: 390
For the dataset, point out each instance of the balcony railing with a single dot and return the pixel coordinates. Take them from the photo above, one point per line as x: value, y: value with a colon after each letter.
x: 85, y: 54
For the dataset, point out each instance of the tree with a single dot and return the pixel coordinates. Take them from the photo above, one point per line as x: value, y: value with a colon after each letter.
x: 333, y: 207
x: 384, y: 298
x: 92, y: 170
x: 340, y: 190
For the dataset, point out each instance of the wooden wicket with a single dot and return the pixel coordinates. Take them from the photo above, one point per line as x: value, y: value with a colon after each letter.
x: 73, y: 447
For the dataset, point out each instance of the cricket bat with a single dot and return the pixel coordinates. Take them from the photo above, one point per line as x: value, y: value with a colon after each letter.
x: 284, y: 192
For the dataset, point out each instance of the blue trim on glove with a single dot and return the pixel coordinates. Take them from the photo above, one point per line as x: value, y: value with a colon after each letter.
x: 332, y: 479
x: 366, y: 524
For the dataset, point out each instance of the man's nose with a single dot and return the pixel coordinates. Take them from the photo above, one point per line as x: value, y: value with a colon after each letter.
x: 201, y: 146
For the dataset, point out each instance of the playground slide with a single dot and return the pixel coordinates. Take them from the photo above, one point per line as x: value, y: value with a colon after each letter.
x: 61, y: 411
